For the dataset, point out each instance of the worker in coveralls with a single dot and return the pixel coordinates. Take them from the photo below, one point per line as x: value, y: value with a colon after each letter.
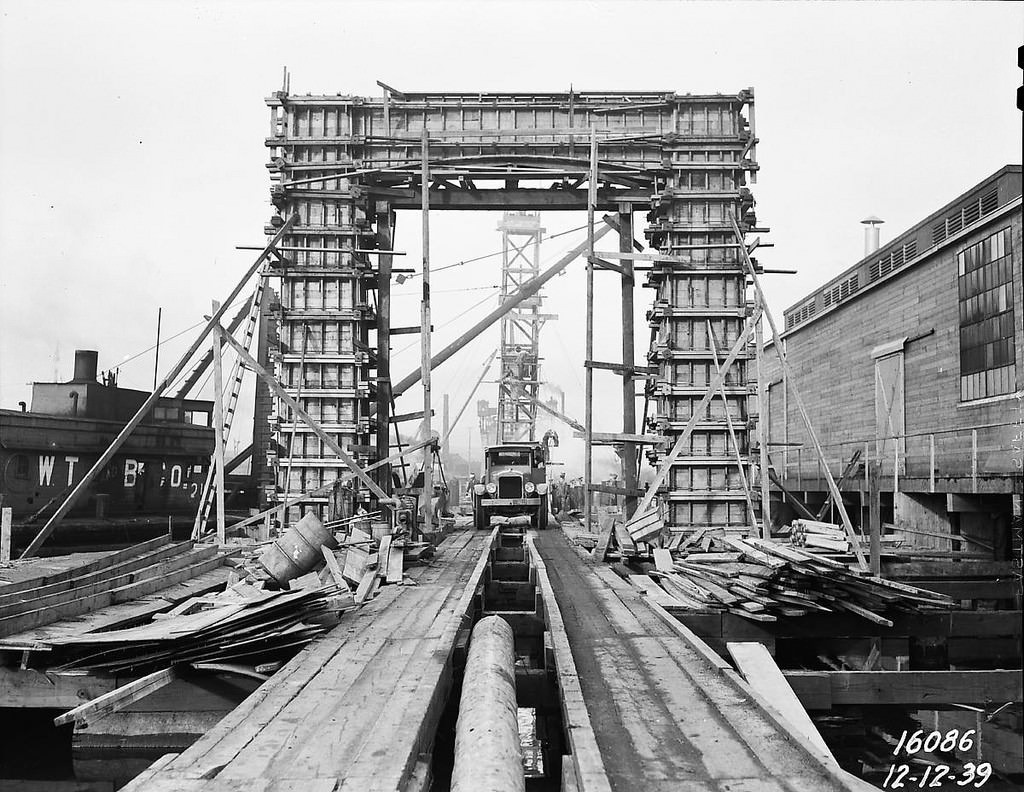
x: 560, y: 489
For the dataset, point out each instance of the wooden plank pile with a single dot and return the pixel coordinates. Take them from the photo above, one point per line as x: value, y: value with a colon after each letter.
x: 239, y: 625
x: 811, y: 533
x: 244, y: 617
x: 762, y: 580
x: 118, y: 577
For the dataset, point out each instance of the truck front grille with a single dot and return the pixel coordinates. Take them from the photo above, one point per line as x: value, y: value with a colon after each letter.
x: 510, y: 487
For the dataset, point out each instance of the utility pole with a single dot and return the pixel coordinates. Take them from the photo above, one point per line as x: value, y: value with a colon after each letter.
x: 588, y: 428
x: 428, y: 451
x: 218, y: 425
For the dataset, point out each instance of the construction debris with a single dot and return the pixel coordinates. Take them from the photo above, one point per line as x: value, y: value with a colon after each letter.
x: 762, y: 580
x: 275, y: 599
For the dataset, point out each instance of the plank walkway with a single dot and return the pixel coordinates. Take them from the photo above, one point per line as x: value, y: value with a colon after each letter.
x: 355, y: 709
x: 664, y: 715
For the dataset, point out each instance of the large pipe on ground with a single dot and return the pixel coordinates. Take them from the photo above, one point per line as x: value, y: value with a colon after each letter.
x: 488, y: 754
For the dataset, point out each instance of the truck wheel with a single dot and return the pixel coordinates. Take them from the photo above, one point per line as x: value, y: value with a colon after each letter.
x: 542, y: 516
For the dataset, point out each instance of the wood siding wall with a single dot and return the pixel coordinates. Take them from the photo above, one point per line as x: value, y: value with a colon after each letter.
x: 833, y: 367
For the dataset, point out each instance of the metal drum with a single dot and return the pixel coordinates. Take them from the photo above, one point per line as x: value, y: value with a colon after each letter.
x: 298, y: 551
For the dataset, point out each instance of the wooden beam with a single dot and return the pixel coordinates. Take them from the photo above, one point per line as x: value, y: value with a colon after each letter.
x: 793, y: 499
x: 932, y: 624
x: 909, y: 570
x: 411, y: 416
x: 762, y: 429
x: 588, y: 389
x: 385, y: 217
x: 732, y: 437
x: 630, y: 256
x: 848, y: 471
x: 586, y: 754
x: 512, y: 198
x: 614, y: 438
x: 426, y: 497
x: 383, y: 252
x: 152, y: 399
x: 777, y: 344
x: 1008, y: 588
x: 217, y: 350
x: 238, y: 459
x: 198, y: 562
x: 86, y: 714
x: 620, y: 368
x: 875, y: 516
x: 413, y: 330
x: 204, y: 363
x: 628, y: 452
x: 606, y: 265
x: 6, y: 519
x: 27, y: 688
x: 925, y: 689
x: 759, y: 670
x: 65, y: 576
x: 626, y: 492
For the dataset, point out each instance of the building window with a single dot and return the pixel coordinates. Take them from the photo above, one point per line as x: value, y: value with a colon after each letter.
x: 986, y: 318
x: 166, y: 414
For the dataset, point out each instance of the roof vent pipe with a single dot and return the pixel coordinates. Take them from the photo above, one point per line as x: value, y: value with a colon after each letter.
x: 871, y: 236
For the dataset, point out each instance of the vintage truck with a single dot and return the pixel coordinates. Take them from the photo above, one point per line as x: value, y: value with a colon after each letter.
x: 514, y: 484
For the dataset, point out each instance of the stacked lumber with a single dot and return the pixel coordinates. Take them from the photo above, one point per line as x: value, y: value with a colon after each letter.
x: 762, y: 580
x: 245, y: 617
x: 827, y: 536
x: 115, y: 578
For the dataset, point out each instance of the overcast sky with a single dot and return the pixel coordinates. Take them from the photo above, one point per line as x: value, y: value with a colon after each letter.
x: 133, y: 158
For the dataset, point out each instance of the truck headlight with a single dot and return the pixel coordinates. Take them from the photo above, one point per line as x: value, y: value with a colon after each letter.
x: 542, y: 489
x: 492, y: 487
x: 529, y: 486
x: 479, y: 489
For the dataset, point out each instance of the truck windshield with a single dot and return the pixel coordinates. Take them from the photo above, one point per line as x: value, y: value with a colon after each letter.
x: 510, y: 456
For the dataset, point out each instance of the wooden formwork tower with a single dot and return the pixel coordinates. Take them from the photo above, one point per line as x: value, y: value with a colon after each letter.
x: 326, y: 311
x: 520, y: 329
x: 344, y: 164
x: 690, y: 220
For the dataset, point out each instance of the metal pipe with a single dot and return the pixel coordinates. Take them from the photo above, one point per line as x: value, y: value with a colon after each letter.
x: 488, y: 754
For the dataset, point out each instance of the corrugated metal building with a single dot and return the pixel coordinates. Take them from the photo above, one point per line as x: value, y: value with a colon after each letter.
x: 915, y: 356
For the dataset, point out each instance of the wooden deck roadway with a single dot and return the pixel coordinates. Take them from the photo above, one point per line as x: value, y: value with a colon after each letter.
x: 645, y: 705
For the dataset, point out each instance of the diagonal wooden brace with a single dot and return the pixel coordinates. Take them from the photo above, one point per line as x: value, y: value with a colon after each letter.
x: 305, y: 417
x: 698, y: 414
x: 833, y: 489
x: 152, y: 399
